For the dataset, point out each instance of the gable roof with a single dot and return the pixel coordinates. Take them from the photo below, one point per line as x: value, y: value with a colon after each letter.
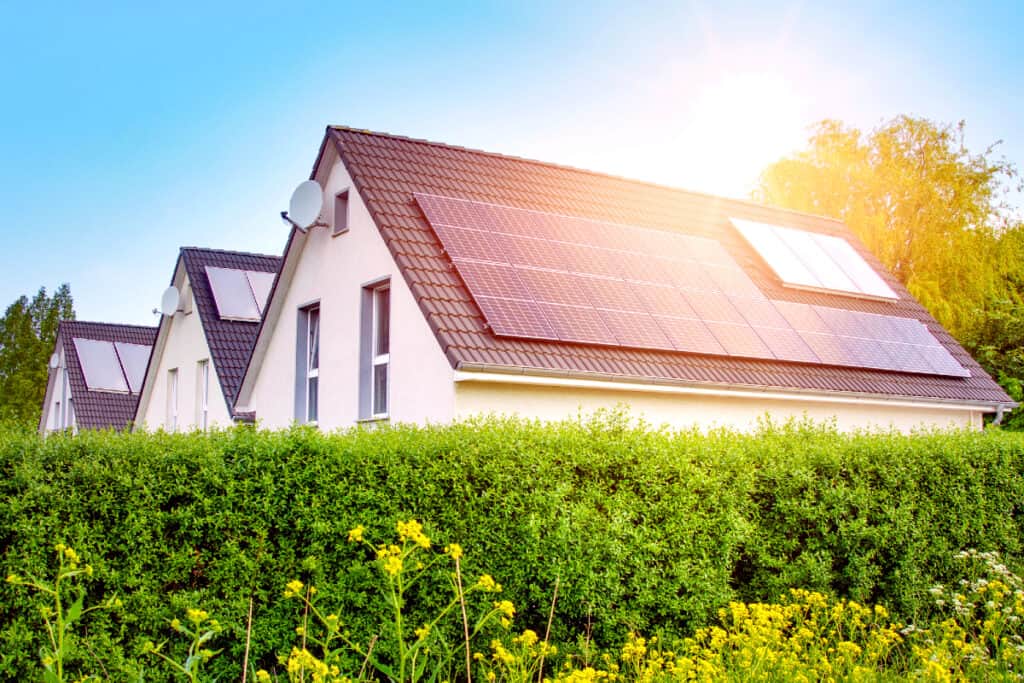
x: 230, y: 341
x: 99, y: 409
x: 387, y: 170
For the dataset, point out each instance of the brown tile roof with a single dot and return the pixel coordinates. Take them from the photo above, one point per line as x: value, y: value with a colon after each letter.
x: 388, y: 169
x: 230, y: 341
x: 100, y: 409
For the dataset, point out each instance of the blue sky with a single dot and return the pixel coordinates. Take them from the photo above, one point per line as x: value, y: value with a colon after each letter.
x: 130, y: 130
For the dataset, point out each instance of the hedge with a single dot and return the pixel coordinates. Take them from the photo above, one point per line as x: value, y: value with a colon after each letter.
x: 640, y: 528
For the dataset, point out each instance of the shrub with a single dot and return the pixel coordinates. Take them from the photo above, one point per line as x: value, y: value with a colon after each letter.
x: 642, y: 530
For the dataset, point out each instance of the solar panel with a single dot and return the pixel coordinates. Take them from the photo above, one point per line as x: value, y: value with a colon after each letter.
x: 855, y: 267
x: 820, y: 264
x: 260, y: 283
x: 787, y: 344
x: 470, y: 244
x: 577, y: 324
x: 739, y: 340
x: 714, y: 306
x: 100, y: 366
x: 232, y: 294
x: 776, y: 253
x: 690, y: 335
x: 635, y: 329
x: 134, y: 358
x: 515, y: 318
x: 554, y: 287
x: 663, y: 300
x: 544, y: 276
x: 807, y: 259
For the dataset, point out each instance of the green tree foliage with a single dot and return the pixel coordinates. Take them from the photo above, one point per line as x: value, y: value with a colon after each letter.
x: 935, y: 214
x: 28, y: 332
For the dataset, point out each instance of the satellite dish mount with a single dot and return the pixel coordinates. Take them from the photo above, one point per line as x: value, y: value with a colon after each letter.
x: 305, y: 206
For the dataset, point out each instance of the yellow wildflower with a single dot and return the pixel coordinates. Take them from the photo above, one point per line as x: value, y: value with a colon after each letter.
x: 453, y: 549
x: 505, y: 607
x: 262, y: 676
x: 293, y: 588
x: 356, y: 535
x: 422, y: 632
x: 392, y: 564
x: 487, y: 584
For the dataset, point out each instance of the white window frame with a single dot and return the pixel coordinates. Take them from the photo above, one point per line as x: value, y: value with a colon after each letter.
x: 379, y: 360
x: 347, y: 195
x: 172, y: 399
x: 203, y: 393
x: 307, y: 344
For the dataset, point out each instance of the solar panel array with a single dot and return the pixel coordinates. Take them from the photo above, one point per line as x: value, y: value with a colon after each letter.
x: 813, y: 261
x: 239, y: 294
x: 112, y: 366
x: 543, y: 276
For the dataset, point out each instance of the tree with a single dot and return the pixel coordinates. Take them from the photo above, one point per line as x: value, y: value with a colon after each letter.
x: 935, y: 214
x: 28, y: 332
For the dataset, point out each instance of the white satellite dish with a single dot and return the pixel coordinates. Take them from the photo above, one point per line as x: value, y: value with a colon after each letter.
x: 54, y: 361
x: 169, y: 301
x: 306, y: 203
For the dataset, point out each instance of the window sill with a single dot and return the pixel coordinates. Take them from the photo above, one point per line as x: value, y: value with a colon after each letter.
x: 339, y: 233
x: 373, y: 420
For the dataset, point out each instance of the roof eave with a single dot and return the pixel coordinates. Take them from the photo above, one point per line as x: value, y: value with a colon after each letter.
x: 508, y: 373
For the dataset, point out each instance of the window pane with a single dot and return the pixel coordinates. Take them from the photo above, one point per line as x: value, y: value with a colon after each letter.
x: 380, y: 389
x: 314, y: 339
x: 311, y: 399
x: 341, y: 212
x: 383, y: 315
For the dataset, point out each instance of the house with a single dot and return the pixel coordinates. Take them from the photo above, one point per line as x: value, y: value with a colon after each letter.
x: 445, y: 282
x: 201, y: 350
x: 95, y: 376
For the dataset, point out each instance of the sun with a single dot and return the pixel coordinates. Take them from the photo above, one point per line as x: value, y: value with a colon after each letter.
x: 735, y: 124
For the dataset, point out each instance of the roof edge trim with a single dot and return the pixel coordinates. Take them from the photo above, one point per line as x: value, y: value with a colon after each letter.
x: 482, y: 372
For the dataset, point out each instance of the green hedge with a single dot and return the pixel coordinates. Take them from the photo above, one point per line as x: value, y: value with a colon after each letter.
x: 642, y: 529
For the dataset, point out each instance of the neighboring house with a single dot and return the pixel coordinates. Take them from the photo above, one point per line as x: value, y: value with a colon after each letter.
x: 450, y: 282
x: 95, y: 376
x: 201, y: 351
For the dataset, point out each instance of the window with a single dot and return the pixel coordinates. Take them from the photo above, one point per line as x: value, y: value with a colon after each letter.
x: 375, y: 354
x: 307, y: 366
x: 58, y: 417
x: 341, y: 212
x: 70, y: 423
x: 172, y: 399
x: 202, y: 393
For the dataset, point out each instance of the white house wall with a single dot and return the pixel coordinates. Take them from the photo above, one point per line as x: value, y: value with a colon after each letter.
x: 555, y: 401
x: 332, y: 270
x: 185, y: 346
x: 57, y: 394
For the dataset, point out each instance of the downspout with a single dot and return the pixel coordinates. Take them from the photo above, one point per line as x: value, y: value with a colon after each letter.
x: 1000, y: 413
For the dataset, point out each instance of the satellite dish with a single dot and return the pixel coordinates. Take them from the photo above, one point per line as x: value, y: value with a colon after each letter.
x: 306, y: 203
x: 169, y: 301
x: 54, y: 361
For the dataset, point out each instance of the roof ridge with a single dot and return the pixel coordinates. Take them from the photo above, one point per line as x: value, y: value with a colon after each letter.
x: 577, y: 169
x: 94, y: 322
x: 208, y: 250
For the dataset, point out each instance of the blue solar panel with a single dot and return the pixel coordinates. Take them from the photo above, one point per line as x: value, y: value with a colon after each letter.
x: 545, y: 276
x: 739, y: 340
x: 635, y: 329
x: 690, y: 335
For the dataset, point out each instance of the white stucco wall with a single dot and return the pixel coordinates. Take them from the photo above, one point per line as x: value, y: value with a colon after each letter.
x: 332, y: 270
x: 681, y: 411
x: 184, y: 347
